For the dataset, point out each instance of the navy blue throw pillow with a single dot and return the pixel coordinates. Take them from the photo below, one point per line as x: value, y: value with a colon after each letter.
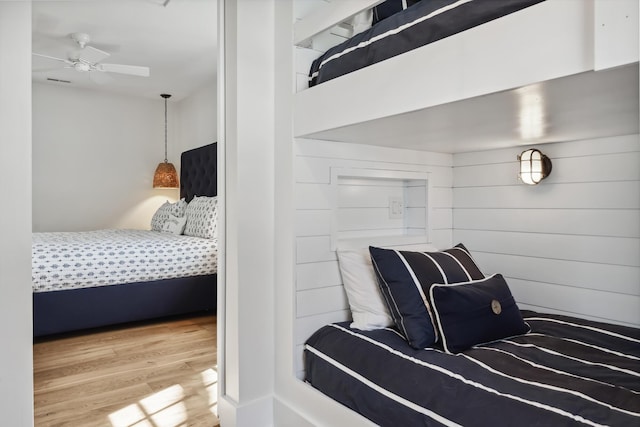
x: 405, y: 279
x: 390, y: 7
x: 475, y: 312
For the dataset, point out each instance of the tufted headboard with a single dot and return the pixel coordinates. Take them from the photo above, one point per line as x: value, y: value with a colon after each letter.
x: 198, y: 172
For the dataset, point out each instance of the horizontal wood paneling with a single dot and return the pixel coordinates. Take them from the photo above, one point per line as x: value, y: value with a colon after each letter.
x: 321, y: 300
x: 313, y: 223
x: 592, y: 168
x: 590, y: 195
x: 593, y: 222
x: 599, y: 303
x: 318, y: 275
x: 587, y: 147
x: 614, y: 278
x: 570, y: 244
x: 320, y: 296
x: 596, y: 249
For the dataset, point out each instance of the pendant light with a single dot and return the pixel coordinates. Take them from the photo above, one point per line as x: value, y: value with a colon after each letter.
x: 166, y: 175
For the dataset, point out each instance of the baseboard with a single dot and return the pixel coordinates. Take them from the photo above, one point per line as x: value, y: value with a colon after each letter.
x: 257, y: 413
x: 286, y: 416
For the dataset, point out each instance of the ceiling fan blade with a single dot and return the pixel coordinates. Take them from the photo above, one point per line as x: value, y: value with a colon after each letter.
x: 66, y: 61
x: 92, y: 55
x: 133, y: 70
x: 100, y: 78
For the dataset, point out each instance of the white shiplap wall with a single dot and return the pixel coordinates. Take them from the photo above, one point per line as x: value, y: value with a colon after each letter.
x: 320, y: 296
x: 568, y: 245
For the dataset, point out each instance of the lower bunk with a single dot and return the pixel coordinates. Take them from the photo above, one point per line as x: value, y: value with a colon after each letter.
x: 565, y: 371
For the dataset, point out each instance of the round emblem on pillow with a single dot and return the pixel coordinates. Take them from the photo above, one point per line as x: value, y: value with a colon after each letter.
x: 496, y: 307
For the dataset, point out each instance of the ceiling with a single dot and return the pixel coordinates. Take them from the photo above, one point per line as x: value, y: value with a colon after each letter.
x: 177, y: 42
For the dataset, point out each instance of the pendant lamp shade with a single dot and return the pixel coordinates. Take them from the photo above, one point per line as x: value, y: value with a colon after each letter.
x: 166, y: 175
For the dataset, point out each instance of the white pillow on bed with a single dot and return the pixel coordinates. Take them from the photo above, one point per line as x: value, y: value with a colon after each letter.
x: 167, y: 209
x: 368, y: 308
x: 202, y: 217
x: 174, y: 225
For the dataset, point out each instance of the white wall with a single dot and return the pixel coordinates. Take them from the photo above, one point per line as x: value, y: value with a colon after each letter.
x: 196, y: 116
x: 16, y: 370
x: 570, y: 244
x: 95, y: 154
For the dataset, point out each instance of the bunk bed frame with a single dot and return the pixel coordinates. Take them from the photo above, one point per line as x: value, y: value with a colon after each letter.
x: 574, y: 40
x: 559, y: 47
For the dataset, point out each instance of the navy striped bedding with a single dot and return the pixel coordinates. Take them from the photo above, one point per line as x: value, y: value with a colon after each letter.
x: 425, y: 22
x: 566, y: 371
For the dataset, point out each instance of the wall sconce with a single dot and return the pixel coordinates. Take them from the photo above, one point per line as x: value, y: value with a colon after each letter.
x: 534, y: 166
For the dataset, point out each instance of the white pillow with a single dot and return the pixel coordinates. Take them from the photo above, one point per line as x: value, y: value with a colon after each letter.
x: 174, y: 225
x: 162, y: 214
x: 368, y: 308
x: 202, y: 217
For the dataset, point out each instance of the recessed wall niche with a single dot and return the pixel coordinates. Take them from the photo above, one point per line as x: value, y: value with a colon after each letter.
x: 379, y: 207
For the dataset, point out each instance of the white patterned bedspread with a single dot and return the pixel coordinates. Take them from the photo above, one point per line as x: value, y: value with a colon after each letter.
x: 70, y: 260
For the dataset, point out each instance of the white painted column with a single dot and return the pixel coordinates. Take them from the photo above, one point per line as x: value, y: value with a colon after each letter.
x: 16, y: 361
x: 246, y: 136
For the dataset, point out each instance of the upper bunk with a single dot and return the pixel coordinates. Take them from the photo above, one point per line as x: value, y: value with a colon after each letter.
x: 554, y: 70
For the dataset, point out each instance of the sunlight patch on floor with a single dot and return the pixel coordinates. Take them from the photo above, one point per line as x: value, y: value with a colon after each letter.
x: 210, y: 381
x: 169, y: 407
x: 162, y: 409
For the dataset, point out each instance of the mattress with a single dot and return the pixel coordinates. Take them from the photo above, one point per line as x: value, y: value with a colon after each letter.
x: 566, y: 371
x: 72, y: 260
x: 423, y: 23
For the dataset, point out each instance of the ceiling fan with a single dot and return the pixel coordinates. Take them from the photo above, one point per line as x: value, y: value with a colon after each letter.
x: 88, y: 59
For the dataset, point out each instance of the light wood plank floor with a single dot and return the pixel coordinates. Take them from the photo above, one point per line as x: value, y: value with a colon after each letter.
x: 154, y: 374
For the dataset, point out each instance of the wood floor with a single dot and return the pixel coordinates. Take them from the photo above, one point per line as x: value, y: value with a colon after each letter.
x: 156, y: 374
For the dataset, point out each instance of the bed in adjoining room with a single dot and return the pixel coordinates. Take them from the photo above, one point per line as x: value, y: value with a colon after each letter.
x: 97, y: 278
x: 433, y: 341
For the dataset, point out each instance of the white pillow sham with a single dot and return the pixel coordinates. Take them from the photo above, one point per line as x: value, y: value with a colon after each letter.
x: 202, y: 217
x: 162, y: 214
x: 368, y: 308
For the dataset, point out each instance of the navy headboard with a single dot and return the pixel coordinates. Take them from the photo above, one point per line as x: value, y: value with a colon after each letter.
x: 198, y: 172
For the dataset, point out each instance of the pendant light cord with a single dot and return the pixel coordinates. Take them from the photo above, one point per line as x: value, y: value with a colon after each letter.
x: 165, y: 130
x: 165, y: 96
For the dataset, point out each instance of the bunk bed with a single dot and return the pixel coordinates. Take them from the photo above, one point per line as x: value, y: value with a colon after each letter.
x: 555, y: 53
x: 548, y: 44
x: 58, y: 310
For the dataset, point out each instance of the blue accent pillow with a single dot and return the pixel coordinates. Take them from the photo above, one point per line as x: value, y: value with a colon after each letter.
x: 475, y: 312
x: 389, y: 8
x: 405, y: 279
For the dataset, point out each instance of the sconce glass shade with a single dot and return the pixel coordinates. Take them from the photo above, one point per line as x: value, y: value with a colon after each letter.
x: 165, y: 176
x: 534, y: 166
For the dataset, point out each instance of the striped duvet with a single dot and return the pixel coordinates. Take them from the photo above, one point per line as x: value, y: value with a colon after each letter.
x: 567, y: 371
